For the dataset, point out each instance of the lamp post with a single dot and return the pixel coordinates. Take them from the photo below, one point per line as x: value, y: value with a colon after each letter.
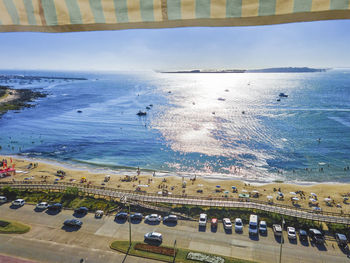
x: 283, y: 222
x: 125, y: 200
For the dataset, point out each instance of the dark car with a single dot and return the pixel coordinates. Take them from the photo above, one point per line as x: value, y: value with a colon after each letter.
x: 136, y: 216
x: 55, y: 207
x: 170, y: 219
x: 341, y: 240
x: 302, y: 235
x: 316, y: 236
x: 122, y: 216
x: 73, y: 222
x: 81, y: 210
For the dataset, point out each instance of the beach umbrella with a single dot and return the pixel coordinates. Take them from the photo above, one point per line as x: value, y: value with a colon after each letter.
x: 280, y: 193
x: 312, y: 200
x: 328, y: 199
x: 292, y: 193
x: 269, y: 197
x: 313, y: 194
x: 244, y: 191
x: 295, y: 198
x: 200, y: 185
x: 226, y: 192
x: 218, y: 186
x: 234, y: 187
x: 255, y: 191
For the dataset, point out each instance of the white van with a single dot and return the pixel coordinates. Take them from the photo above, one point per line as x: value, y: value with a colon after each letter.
x: 202, y: 220
x: 253, y: 225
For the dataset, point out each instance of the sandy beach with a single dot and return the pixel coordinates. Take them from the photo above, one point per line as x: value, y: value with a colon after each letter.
x: 146, y: 181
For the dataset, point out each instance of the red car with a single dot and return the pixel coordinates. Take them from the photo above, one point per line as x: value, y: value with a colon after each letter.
x: 214, y: 222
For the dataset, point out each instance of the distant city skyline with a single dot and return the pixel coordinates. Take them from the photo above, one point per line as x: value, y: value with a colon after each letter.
x: 322, y: 44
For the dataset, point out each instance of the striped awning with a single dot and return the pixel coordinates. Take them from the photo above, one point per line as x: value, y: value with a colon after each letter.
x: 87, y: 15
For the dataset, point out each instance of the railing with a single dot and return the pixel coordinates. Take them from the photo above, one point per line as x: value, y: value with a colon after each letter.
x: 321, y: 216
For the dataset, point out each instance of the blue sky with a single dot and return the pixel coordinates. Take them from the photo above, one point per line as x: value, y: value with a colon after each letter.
x: 313, y: 44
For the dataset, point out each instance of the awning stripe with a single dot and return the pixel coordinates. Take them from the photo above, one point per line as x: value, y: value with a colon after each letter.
x: 12, y: 10
x: 83, y: 15
x: 30, y: 12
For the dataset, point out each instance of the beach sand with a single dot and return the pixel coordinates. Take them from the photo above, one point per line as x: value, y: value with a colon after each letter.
x: 147, y: 182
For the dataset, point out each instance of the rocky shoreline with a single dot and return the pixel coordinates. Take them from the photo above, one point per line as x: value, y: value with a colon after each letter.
x: 16, y: 99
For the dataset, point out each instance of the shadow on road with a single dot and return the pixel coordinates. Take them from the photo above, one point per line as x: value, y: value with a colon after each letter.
x: 305, y: 243
x: 228, y: 231
x: 254, y: 237
x: 79, y: 215
x: 213, y: 229
x: 70, y: 228
x: 136, y: 221
x: 202, y: 228
x: 15, y: 206
x: 152, y: 223
x: 293, y: 241
x: 52, y: 212
x: 278, y: 239
x: 126, y: 255
x: 170, y: 224
x: 120, y: 221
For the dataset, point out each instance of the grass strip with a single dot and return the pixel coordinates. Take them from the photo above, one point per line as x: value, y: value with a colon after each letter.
x: 12, y: 227
x: 181, y: 253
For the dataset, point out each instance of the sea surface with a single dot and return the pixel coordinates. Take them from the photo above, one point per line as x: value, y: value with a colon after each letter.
x: 214, y: 125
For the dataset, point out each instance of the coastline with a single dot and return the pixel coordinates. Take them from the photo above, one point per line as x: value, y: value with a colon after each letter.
x: 201, y: 186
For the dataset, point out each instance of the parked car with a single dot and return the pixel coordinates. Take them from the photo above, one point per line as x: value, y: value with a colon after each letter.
x: 227, y: 223
x: 18, y: 202
x: 277, y: 230
x: 253, y: 225
x: 238, y: 225
x: 99, y: 214
x: 154, y: 236
x: 73, y: 222
x: 170, y: 219
x: 122, y: 216
x: 136, y: 216
x: 81, y: 210
x: 153, y: 218
x: 291, y: 233
x: 214, y: 222
x: 55, y: 207
x: 302, y: 235
x: 42, y: 205
x: 341, y: 240
x: 316, y: 236
x: 202, y: 219
x: 3, y: 199
x: 263, y: 227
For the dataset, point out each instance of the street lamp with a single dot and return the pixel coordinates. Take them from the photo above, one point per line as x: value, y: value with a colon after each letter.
x: 283, y: 222
x: 174, y: 251
x: 125, y: 200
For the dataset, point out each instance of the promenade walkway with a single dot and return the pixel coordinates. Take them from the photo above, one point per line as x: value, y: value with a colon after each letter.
x: 229, y: 202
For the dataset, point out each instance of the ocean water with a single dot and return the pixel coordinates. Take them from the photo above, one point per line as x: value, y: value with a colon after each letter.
x: 214, y: 125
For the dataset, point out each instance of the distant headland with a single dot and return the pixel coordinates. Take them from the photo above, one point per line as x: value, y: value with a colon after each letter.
x: 266, y: 70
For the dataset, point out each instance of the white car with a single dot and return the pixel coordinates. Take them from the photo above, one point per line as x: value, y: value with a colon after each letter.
x: 202, y: 219
x: 227, y: 223
x: 154, y: 236
x: 18, y: 202
x: 3, y: 199
x: 238, y: 225
x: 42, y: 205
x: 291, y: 233
x: 153, y: 218
x: 277, y: 229
x: 263, y: 227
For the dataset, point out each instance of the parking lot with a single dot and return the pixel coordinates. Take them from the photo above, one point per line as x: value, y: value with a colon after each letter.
x: 96, y: 234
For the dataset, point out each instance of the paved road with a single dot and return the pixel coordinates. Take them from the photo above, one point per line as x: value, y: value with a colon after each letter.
x: 49, y: 242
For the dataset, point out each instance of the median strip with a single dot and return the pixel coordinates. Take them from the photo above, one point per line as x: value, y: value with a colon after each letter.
x: 12, y: 227
x: 162, y: 253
